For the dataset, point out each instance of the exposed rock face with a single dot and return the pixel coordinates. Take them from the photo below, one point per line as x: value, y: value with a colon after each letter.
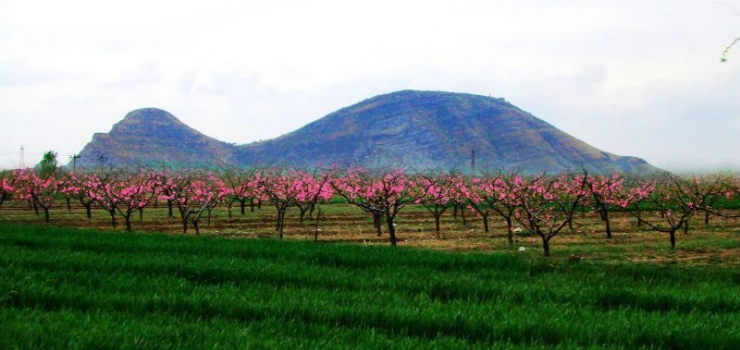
x: 416, y: 130
x: 154, y: 138
x: 436, y: 131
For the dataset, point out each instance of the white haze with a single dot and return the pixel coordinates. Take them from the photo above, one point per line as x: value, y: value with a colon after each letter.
x: 639, y: 78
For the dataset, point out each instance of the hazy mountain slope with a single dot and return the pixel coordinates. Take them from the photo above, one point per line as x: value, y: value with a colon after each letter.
x: 423, y: 130
x: 155, y: 138
x: 416, y: 130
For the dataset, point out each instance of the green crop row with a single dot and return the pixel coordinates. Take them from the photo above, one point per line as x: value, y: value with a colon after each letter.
x: 69, y: 288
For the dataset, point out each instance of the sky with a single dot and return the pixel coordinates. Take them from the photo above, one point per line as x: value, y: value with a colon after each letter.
x: 631, y: 77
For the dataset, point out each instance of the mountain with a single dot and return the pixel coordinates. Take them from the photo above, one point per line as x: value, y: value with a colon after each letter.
x: 426, y: 130
x: 154, y: 138
x: 416, y: 130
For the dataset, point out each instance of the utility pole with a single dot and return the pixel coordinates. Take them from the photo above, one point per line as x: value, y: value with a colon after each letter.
x: 74, y: 162
x: 472, y: 163
x: 22, y: 161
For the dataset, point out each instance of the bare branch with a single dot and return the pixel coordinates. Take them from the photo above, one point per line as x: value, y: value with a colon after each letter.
x: 727, y: 50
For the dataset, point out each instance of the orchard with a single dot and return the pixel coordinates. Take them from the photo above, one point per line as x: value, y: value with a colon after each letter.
x: 394, y: 206
x: 307, y: 259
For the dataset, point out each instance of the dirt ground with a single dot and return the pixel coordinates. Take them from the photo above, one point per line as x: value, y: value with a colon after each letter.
x: 717, y: 243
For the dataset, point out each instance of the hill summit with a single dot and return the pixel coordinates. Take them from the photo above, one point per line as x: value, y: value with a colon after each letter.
x: 416, y: 130
x: 153, y: 137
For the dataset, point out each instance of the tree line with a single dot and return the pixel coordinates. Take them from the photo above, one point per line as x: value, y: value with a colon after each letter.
x: 543, y: 204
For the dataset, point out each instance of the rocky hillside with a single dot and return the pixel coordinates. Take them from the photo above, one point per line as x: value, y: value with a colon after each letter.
x: 416, y: 130
x: 423, y: 130
x: 154, y: 138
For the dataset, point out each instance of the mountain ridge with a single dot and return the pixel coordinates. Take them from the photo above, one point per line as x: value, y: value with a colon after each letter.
x: 416, y: 130
x: 153, y: 137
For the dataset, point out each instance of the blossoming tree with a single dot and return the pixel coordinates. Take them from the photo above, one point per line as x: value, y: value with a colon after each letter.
x: 546, y: 205
x: 7, y: 179
x: 675, y: 199
x: 605, y: 194
x: 194, y: 194
x: 383, y: 195
x: 436, y: 193
x: 39, y: 191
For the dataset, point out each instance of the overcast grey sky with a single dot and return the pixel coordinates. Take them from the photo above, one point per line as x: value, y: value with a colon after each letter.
x: 631, y: 77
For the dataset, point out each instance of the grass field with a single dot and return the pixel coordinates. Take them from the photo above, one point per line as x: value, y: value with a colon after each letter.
x: 63, y: 287
x: 715, y: 244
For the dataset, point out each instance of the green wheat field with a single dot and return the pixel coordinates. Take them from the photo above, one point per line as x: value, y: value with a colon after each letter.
x: 67, y: 288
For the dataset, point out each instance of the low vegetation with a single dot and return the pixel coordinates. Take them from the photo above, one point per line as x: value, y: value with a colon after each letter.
x: 543, y: 205
x: 635, y: 263
x: 80, y: 288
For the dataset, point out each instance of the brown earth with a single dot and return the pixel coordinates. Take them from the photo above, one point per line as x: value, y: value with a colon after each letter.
x: 716, y: 243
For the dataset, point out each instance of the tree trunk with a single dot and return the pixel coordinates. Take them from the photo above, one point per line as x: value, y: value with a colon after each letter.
x: 391, y: 229
x: 301, y: 214
x: 47, y: 218
x: 546, y: 245
x: 607, y: 223
x: 195, y: 226
x: 112, y: 213
x: 510, y: 230
x: 280, y: 222
x: 672, y: 234
x: 437, y: 224
x: 378, y: 223
x: 278, y: 229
